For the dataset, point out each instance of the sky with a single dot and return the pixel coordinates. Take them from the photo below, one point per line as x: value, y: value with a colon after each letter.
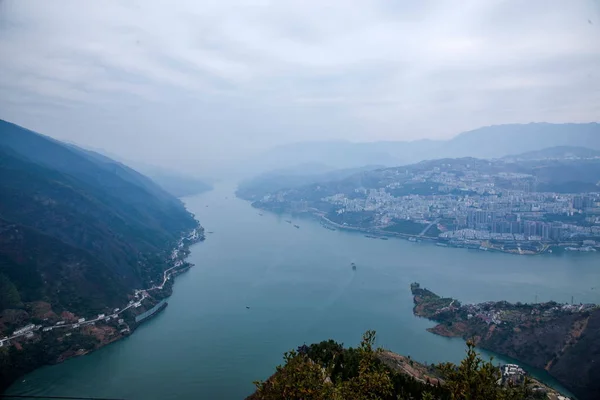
x: 199, y: 84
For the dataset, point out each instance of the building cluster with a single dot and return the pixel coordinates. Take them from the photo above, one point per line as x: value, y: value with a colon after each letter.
x: 504, y: 313
x: 139, y: 295
x: 512, y: 373
x: 468, y: 205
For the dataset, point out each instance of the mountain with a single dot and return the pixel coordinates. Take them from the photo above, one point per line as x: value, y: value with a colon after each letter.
x: 178, y: 185
x: 556, y: 153
x: 562, y: 176
x: 563, y: 339
x: 79, y: 232
x: 486, y: 142
x: 293, y: 177
x: 328, y: 370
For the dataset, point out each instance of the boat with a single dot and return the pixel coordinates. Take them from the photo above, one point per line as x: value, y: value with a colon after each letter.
x: 383, y: 238
x: 296, y: 226
x: 260, y: 214
x: 288, y: 221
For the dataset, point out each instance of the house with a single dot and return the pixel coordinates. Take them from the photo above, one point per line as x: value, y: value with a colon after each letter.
x: 100, y: 316
x: 24, y: 329
x: 80, y: 320
x: 47, y: 329
x: 512, y: 373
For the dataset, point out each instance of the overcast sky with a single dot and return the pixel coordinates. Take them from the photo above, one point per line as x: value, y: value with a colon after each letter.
x: 192, y: 82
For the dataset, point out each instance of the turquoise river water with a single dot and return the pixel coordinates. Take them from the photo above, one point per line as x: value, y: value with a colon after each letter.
x: 300, y: 288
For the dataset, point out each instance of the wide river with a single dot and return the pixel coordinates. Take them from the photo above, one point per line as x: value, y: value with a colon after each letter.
x: 300, y: 288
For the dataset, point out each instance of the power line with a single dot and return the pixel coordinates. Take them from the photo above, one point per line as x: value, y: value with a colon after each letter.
x: 18, y: 396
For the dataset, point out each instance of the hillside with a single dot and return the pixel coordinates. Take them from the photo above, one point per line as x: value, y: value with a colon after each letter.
x: 79, y: 233
x: 485, y: 142
x: 328, y: 371
x: 555, y: 153
x: 560, y: 338
x: 179, y: 185
x: 289, y: 178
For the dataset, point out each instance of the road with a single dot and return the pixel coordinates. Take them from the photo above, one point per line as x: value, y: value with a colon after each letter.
x: 136, y: 303
x: 429, y: 226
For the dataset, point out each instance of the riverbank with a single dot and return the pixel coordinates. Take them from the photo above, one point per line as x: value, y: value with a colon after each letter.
x: 515, y: 248
x: 300, y: 287
x: 50, y: 338
x: 552, y: 336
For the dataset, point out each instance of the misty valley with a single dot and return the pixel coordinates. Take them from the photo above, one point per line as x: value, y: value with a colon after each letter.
x: 91, y: 249
x: 300, y: 200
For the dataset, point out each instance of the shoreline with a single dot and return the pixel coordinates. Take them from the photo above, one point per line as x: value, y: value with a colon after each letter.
x: 483, y: 246
x: 128, y: 324
x: 533, y: 334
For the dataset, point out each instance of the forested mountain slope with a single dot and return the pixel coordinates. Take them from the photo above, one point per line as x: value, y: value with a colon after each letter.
x: 79, y: 233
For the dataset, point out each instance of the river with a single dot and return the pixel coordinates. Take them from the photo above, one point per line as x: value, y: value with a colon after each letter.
x: 300, y: 288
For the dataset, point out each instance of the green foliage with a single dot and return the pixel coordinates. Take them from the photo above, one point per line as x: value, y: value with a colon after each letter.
x: 327, y: 370
x: 78, y: 231
x: 9, y: 295
x: 475, y: 379
x: 360, y: 219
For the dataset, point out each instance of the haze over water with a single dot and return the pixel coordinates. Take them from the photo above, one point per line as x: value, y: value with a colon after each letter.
x: 300, y: 288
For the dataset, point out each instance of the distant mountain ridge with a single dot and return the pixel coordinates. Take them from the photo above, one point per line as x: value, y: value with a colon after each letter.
x: 487, y: 142
x: 289, y: 178
x: 177, y: 184
x: 556, y: 153
x: 78, y: 233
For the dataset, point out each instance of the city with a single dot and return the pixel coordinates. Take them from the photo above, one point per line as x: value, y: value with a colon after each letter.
x: 458, y: 204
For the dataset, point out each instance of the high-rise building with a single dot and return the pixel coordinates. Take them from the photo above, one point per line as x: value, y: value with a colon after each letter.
x: 515, y: 227
x: 578, y: 202
x: 545, y: 231
x: 556, y: 231
x: 530, y: 228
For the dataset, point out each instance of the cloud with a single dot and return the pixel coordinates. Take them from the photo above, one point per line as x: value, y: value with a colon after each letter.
x: 170, y: 80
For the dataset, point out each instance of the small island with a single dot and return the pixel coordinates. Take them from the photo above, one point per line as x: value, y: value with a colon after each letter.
x: 563, y: 339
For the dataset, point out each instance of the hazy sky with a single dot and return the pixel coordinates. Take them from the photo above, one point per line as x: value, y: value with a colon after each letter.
x: 192, y: 82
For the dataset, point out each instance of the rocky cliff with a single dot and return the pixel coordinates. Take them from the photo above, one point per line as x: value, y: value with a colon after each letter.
x: 563, y: 339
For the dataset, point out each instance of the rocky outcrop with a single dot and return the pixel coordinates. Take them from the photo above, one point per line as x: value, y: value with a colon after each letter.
x: 560, y: 338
